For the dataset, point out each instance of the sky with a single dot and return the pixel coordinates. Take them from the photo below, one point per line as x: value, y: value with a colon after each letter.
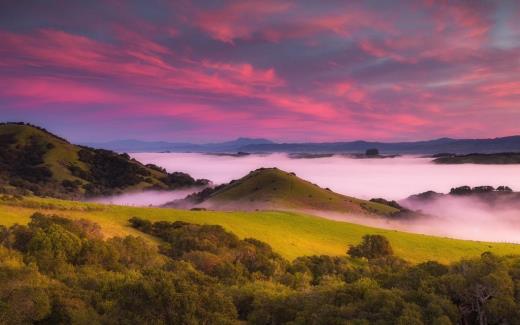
x: 285, y: 70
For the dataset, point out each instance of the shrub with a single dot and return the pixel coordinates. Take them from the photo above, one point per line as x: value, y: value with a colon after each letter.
x: 372, y: 152
x: 372, y: 246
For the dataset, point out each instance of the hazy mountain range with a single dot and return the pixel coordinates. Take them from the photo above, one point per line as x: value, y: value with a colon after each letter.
x: 161, y: 146
x: 442, y: 145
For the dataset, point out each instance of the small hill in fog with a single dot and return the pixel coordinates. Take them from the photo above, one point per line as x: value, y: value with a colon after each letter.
x: 272, y: 188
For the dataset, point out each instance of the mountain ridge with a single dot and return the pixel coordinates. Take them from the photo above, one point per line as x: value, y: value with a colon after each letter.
x: 130, y: 145
x: 261, y: 145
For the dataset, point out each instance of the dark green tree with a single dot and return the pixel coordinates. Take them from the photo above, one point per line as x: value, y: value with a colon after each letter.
x: 372, y: 246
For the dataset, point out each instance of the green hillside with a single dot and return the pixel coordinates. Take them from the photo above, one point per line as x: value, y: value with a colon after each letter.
x: 35, y: 161
x: 289, y: 233
x: 272, y: 188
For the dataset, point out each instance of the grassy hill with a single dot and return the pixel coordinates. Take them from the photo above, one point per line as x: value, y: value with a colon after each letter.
x: 289, y: 233
x: 272, y: 188
x: 33, y: 160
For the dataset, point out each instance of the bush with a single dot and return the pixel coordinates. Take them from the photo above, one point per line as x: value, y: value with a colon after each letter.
x: 372, y: 246
x: 372, y: 152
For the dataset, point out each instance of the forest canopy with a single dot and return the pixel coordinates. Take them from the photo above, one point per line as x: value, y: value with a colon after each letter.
x: 57, y: 270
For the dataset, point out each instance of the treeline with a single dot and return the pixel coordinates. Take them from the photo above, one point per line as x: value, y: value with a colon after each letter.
x: 502, y: 158
x: 61, y: 271
x: 110, y: 172
x: 468, y: 190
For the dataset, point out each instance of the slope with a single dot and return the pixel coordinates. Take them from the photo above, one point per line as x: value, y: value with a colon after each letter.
x: 289, y: 233
x: 272, y: 188
x: 33, y: 160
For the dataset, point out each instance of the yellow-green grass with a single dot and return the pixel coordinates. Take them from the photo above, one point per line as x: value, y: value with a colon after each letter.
x: 290, y: 234
x: 276, y: 189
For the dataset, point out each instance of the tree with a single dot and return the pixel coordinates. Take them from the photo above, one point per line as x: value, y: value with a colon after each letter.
x: 372, y: 152
x: 372, y: 246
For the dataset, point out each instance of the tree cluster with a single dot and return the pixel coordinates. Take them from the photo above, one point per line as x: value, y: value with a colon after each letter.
x: 57, y: 270
x: 22, y: 165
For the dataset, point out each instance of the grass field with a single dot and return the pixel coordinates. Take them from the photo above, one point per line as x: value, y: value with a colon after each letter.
x: 290, y: 234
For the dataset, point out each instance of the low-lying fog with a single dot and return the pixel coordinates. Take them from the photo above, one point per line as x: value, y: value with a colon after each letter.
x: 390, y: 178
x: 453, y: 217
x: 146, y: 198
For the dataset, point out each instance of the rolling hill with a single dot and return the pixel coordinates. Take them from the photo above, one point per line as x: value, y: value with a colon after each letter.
x: 291, y: 234
x: 33, y: 160
x: 275, y: 189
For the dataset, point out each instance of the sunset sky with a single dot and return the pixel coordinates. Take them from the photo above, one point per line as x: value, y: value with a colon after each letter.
x: 284, y: 70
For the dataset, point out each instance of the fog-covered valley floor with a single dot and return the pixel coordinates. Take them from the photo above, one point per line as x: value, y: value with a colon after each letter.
x: 389, y: 178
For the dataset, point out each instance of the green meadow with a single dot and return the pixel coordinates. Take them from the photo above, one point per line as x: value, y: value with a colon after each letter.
x: 290, y: 234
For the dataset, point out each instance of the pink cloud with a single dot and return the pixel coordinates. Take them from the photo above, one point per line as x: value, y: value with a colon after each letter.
x: 56, y: 90
x: 275, y: 21
x: 321, y: 71
x: 238, y: 19
x: 503, y: 89
x: 153, y: 69
x: 349, y: 91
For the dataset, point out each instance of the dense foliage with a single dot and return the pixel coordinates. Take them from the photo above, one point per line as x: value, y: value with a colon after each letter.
x: 22, y: 165
x: 62, y: 271
x: 110, y: 171
x: 372, y: 246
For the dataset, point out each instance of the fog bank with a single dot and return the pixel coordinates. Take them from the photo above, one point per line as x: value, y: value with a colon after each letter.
x: 391, y: 178
x: 145, y: 198
x: 453, y: 217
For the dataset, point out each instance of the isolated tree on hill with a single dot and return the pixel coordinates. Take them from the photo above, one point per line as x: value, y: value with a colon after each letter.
x: 372, y: 246
x: 372, y: 152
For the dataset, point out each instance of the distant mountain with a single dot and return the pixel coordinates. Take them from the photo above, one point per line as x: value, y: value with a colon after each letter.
x: 447, y: 145
x: 272, y: 188
x: 35, y: 161
x: 442, y: 145
x: 161, y: 146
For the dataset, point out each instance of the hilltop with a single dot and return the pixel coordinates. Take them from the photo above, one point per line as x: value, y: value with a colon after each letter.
x: 272, y: 188
x: 35, y: 161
